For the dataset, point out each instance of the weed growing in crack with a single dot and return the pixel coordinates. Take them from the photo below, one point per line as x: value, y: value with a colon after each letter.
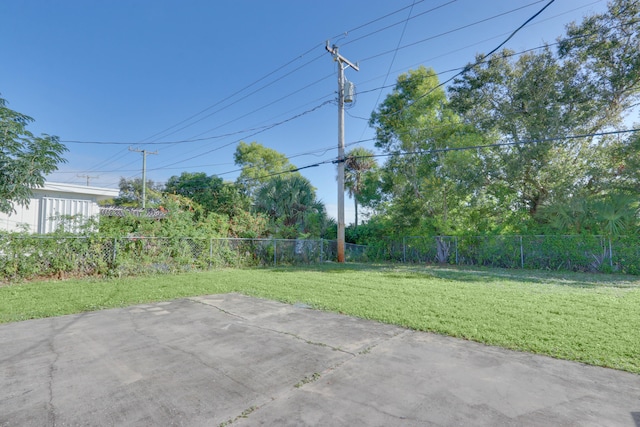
x: 307, y: 380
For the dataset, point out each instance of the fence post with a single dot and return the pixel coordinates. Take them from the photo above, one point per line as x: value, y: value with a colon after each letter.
x: 521, y: 254
x: 115, y: 250
x: 610, y: 254
x: 210, y: 252
x: 321, y: 250
x: 275, y: 257
x: 404, y: 250
x: 456, y: 243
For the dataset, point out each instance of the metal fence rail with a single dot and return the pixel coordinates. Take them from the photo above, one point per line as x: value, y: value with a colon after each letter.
x: 573, y: 253
x: 23, y: 256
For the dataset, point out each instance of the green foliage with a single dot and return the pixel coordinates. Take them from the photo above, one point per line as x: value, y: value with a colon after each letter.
x: 527, y: 174
x: 54, y: 255
x: 359, y: 162
x: 612, y: 214
x: 289, y: 201
x: 210, y: 192
x: 25, y: 159
x: 422, y: 181
x: 185, y: 218
x: 131, y: 193
x: 605, y: 48
x: 530, y: 99
x: 258, y: 164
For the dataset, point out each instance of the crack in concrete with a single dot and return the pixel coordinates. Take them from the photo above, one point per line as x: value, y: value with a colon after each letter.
x: 286, y: 391
x: 194, y: 356
x: 51, y: 409
x: 304, y: 340
x: 263, y: 328
x: 203, y: 302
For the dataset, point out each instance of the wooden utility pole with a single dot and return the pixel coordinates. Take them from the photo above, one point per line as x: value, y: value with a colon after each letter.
x: 343, y: 63
x: 88, y: 178
x: 144, y: 173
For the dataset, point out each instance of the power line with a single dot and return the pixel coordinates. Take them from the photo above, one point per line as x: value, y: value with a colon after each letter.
x: 378, y: 19
x: 439, y: 150
x: 504, y: 144
x: 253, y: 134
x: 298, y: 57
x: 401, y: 22
x: 453, y: 31
x: 266, y: 126
x: 297, y: 69
x: 469, y: 67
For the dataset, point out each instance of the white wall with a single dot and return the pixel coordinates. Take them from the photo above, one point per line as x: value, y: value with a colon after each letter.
x: 52, y: 201
x: 22, y: 216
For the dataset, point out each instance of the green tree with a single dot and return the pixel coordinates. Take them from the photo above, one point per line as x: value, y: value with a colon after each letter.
x: 625, y: 166
x: 423, y: 179
x: 258, y: 164
x: 358, y: 162
x: 25, y: 159
x: 131, y: 192
x: 587, y: 87
x: 291, y: 205
x: 536, y: 99
x: 210, y: 192
x: 605, y: 47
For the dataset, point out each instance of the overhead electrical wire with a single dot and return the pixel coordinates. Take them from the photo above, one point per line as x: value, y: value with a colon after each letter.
x: 266, y: 127
x: 334, y: 160
x: 504, y: 144
x: 143, y: 141
x: 325, y: 77
x: 253, y: 134
x: 469, y: 67
x: 298, y: 57
x: 436, y: 150
x: 449, y: 31
x: 401, y: 22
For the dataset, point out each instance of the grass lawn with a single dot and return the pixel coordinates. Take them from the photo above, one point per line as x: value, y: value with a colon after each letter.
x: 593, y: 319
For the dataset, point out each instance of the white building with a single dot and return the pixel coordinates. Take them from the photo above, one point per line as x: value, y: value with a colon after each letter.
x: 52, y: 203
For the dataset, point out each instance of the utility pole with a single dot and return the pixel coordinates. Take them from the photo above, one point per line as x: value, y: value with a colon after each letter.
x: 144, y: 172
x: 87, y: 177
x: 343, y: 63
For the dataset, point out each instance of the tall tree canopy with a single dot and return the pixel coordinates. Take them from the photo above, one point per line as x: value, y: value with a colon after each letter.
x: 258, y: 164
x: 290, y: 203
x: 25, y: 159
x: 606, y: 48
x: 540, y: 101
x: 358, y: 163
x: 422, y: 181
x: 527, y: 102
x: 131, y: 192
x: 499, y: 151
x: 210, y: 192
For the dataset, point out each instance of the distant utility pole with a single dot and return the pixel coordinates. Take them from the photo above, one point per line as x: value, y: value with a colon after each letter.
x: 88, y: 178
x: 343, y: 63
x: 144, y: 173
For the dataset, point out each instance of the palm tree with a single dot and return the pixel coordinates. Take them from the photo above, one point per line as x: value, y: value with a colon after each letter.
x: 616, y: 213
x: 357, y: 162
x: 288, y: 200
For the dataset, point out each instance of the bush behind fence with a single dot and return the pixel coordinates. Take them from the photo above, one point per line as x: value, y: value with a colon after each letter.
x: 27, y: 256
x: 46, y: 256
x: 573, y: 253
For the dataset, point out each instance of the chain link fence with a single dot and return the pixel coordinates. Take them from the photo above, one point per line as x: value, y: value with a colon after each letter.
x: 573, y: 253
x: 49, y: 256
x: 23, y: 256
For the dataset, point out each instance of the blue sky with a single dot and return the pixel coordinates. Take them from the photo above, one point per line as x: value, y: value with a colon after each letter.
x: 146, y: 72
